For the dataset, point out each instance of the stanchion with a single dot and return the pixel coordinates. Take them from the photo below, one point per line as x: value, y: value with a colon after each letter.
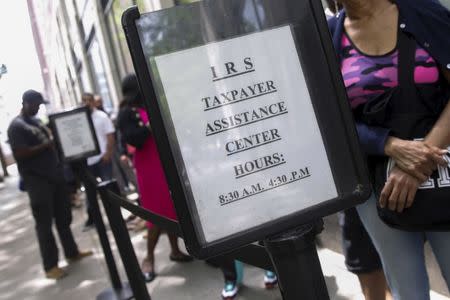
x: 122, y: 237
x: 297, y: 264
x: 119, y: 290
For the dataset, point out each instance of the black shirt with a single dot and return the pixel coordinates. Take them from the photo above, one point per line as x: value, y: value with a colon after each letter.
x: 25, y: 132
x: 132, y: 128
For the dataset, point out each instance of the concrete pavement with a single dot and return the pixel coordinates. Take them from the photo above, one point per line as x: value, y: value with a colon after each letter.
x: 21, y: 276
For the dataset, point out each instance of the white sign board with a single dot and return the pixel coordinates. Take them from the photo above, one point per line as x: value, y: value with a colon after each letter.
x: 75, y: 135
x: 247, y: 131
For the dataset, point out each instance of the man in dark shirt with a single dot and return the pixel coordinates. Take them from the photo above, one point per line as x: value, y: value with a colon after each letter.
x: 38, y: 165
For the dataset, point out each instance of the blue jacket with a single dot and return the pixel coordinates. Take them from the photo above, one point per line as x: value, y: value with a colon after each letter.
x: 429, y: 23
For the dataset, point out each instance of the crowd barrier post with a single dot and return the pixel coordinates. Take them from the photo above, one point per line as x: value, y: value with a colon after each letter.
x: 118, y: 290
x: 123, y: 241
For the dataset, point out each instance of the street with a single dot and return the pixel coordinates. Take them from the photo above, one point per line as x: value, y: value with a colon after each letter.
x: 21, y: 276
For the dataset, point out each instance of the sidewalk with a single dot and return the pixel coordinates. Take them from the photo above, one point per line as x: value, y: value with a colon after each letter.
x: 21, y: 276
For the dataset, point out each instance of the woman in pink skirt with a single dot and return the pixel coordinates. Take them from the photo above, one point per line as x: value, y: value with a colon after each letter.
x: 135, y: 129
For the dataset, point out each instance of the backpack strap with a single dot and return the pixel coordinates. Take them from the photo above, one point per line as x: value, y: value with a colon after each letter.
x: 406, y: 62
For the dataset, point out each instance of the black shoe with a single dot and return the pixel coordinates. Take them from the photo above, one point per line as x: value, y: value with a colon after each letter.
x: 149, y: 276
x: 181, y: 257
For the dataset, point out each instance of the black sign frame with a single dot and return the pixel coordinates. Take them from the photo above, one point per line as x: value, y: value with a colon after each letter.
x: 57, y: 138
x: 334, y: 116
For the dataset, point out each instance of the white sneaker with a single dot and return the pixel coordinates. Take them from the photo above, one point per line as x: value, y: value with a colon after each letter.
x: 230, y: 290
x: 270, y: 279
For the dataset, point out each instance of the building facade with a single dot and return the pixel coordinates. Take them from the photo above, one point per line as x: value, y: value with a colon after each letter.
x: 82, y: 48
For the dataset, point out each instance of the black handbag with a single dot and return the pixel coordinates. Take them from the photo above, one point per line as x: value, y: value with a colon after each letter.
x: 410, y: 112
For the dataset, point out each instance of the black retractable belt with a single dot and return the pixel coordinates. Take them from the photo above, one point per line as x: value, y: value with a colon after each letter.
x: 165, y: 224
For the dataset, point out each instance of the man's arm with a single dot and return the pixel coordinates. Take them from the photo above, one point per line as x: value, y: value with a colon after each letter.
x: 20, y: 147
x: 109, y: 147
x: 28, y: 152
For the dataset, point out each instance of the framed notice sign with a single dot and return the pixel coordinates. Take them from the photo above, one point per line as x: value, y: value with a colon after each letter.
x: 74, y: 134
x: 250, y: 116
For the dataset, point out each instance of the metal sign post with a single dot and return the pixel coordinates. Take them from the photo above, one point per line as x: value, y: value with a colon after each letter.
x: 297, y: 264
x: 76, y: 140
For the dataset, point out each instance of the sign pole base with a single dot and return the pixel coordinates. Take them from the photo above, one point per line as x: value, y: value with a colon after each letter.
x: 123, y: 293
x: 297, y: 264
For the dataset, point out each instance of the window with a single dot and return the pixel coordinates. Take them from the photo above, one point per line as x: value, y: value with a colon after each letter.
x: 100, y: 79
x: 118, y: 36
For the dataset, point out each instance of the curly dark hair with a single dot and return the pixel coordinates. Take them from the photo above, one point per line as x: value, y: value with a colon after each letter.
x: 131, y: 92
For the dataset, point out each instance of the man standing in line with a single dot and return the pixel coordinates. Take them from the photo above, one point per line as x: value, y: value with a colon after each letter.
x: 100, y: 165
x: 39, y: 167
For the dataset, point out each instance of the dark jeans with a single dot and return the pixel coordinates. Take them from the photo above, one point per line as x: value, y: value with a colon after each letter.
x: 50, y: 201
x: 71, y: 180
x: 227, y: 266
x: 360, y: 253
x: 99, y: 170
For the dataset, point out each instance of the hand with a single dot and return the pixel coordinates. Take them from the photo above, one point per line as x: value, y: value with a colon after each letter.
x: 399, y: 191
x: 415, y: 157
x: 124, y: 158
x: 106, y: 158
